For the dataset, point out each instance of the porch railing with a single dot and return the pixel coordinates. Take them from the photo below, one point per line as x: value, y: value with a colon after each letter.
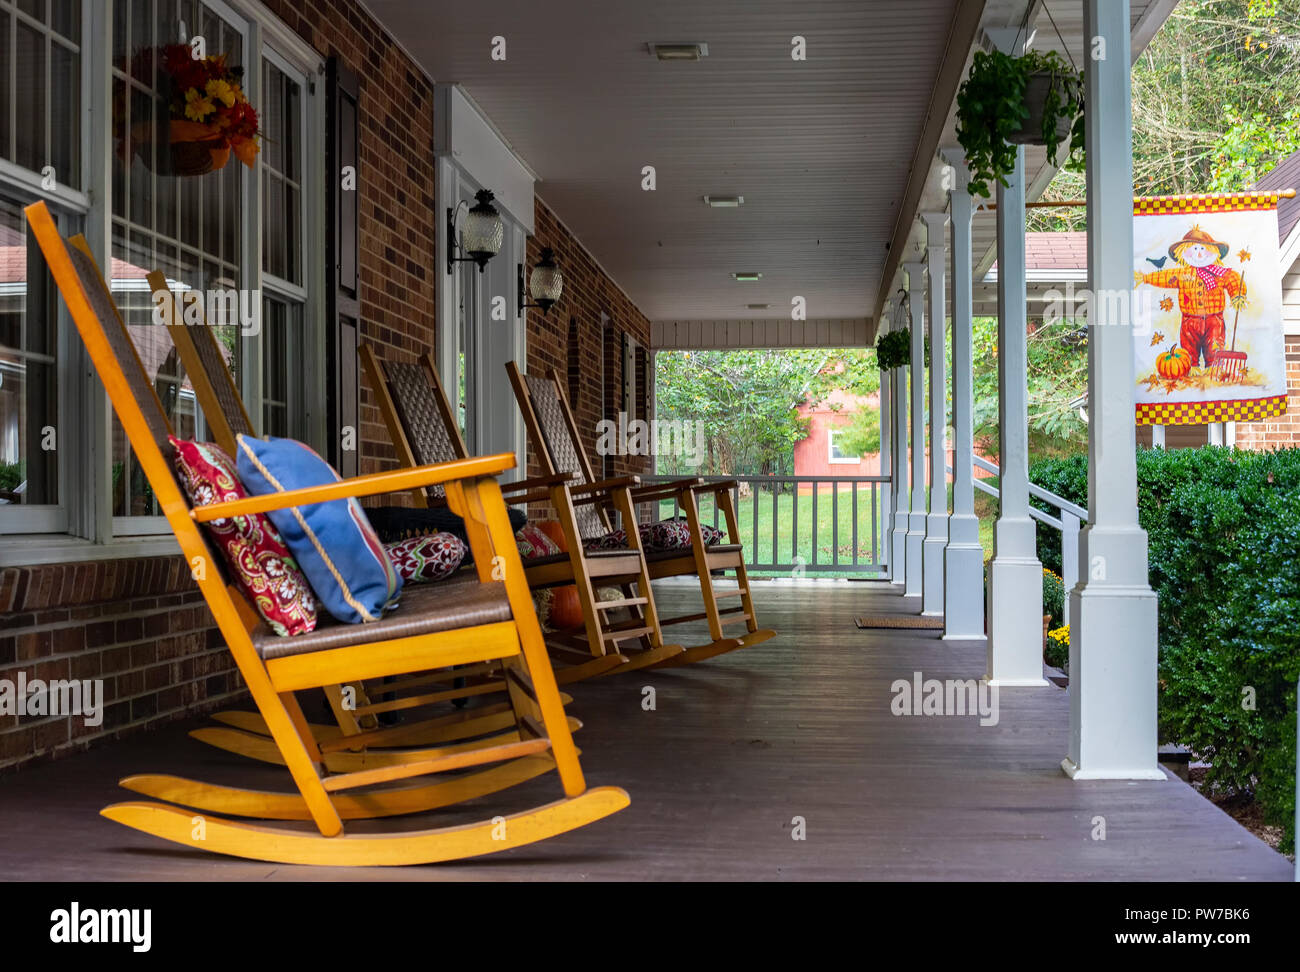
x: 799, y: 525
x: 1069, y: 517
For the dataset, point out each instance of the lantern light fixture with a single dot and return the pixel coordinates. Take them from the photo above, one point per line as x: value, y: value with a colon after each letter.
x: 545, y: 286
x: 481, y: 232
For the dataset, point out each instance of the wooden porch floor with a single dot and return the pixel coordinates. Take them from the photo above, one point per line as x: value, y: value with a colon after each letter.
x: 735, y: 749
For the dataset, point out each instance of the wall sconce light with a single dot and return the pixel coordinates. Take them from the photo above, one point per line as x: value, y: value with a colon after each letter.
x: 545, y: 286
x: 481, y: 232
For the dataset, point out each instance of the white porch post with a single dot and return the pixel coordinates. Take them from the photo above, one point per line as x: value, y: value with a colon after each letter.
x: 1015, y: 651
x: 963, y: 588
x: 1113, y: 635
x: 916, y: 514
x: 886, y: 466
x: 899, y: 473
x: 936, y: 522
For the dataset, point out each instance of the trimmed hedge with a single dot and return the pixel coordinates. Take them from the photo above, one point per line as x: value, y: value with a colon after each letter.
x: 1223, y: 529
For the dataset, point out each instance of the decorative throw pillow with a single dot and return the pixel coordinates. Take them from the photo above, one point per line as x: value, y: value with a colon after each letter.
x: 534, y: 543
x: 664, y: 535
x: 393, y: 523
x: 333, y: 541
x: 259, y: 562
x: 428, y: 558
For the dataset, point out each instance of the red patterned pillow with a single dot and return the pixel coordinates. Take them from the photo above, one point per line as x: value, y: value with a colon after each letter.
x: 432, y: 557
x: 534, y: 543
x: 259, y: 561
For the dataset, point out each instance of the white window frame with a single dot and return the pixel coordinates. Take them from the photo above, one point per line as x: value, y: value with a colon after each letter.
x: 83, y: 526
x: 831, y: 433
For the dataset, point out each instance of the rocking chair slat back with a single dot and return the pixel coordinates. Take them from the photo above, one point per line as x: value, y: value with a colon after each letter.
x: 552, y: 426
x: 202, y: 358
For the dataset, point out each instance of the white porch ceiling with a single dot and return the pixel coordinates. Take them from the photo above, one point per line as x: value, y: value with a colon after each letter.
x: 819, y: 149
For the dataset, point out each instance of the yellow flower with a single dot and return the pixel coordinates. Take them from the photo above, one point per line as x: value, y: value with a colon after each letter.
x: 1060, y: 634
x: 222, y: 91
x: 197, y: 107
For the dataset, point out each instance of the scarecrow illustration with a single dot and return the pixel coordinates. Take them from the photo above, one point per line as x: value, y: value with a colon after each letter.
x: 1204, y: 286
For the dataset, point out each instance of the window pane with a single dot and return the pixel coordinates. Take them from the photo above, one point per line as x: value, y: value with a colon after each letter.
x: 188, y: 226
x: 34, y: 7
x: 65, y: 17
x: 282, y: 123
x: 6, y: 27
x: 29, y: 55
x: 282, y: 403
x: 65, y: 115
x: 28, y: 368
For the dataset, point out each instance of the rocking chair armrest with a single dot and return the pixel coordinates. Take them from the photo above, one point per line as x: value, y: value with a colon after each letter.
x: 720, y: 486
x: 606, y: 485
x: 390, y: 481
x: 533, y: 496
x: 672, y: 486
x: 538, y: 481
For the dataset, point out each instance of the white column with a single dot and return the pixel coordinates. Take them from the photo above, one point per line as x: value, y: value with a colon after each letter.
x: 1113, y: 634
x: 963, y: 566
x: 886, y: 467
x: 899, y: 473
x: 914, y: 578
x: 1015, y: 652
x: 1214, y: 433
x: 936, y: 521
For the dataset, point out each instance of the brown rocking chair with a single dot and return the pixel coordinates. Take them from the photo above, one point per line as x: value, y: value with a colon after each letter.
x: 246, y: 733
x: 559, y: 449
x: 489, y: 621
x: 419, y: 419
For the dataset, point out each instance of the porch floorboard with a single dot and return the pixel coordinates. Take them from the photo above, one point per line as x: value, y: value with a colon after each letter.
x: 735, y: 748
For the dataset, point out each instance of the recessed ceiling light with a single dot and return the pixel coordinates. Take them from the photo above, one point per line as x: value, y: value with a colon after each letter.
x: 678, y: 52
x: 749, y: 275
x: 724, y: 202
x: 758, y: 306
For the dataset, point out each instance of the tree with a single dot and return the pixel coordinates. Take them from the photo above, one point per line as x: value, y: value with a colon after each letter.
x: 747, y: 401
x: 1216, y: 104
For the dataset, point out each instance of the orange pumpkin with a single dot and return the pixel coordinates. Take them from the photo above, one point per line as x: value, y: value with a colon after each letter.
x: 566, y: 609
x: 1174, y: 363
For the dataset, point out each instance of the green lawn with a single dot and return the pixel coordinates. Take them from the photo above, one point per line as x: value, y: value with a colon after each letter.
x: 787, y: 552
x: 784, y: 539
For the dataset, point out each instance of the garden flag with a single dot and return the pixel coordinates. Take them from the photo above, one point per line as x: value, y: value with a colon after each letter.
x: 1207, y: 309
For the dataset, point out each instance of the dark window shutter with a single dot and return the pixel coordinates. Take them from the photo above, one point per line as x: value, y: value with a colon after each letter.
x: 342, y: 286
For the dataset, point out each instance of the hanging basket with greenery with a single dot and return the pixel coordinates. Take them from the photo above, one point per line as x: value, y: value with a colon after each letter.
x: 1036, y: 99
x: 894, y: 350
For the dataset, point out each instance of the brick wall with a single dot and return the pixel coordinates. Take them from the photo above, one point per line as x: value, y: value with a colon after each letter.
x: 1281, y: 431
x: 553, y: 343
x: 138, y: 625
x: 398, y: 228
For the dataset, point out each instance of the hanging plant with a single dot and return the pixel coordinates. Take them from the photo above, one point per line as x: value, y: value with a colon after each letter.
x: 894, y: 350
x: 1036, y: 99
x: 205, y: 116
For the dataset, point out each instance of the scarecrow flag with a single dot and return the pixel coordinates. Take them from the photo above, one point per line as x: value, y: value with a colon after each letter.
x: 1207, y: 309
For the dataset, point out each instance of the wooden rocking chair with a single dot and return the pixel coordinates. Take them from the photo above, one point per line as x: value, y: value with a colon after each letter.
x: 246, y: 733
x: 558, y: 446
x: 486, y: 621
x: 424, y: 431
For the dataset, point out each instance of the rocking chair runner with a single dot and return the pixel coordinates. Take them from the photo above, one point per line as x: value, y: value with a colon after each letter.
x: 488, y: 621
x: 558, y: 446
x: 424, y: 431
x: 245, y: 733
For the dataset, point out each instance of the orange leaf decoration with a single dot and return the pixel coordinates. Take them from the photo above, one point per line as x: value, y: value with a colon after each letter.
x: 1243, y: 255
x: 1166, y: 303
x: 245, y: 150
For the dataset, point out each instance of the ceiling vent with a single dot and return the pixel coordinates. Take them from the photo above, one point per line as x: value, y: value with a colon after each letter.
x: 747, y: 275
x: 678, y: 52
x: 724, y: 202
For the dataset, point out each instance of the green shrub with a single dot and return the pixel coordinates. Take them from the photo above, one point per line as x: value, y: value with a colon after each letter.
x: 1223, y: 529
x: 11, y: 475
x: 1054, y: 598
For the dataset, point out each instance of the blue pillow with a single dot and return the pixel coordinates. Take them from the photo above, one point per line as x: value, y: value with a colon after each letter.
x: 333, y: 542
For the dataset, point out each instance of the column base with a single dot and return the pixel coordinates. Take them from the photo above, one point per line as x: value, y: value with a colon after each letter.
x: 963, y: 590
x: 1113, y: 734
x: 898, y: 549
x: 1071, y: 770
x: 1015, y: 655
x: 915, y: 544
x: 936, y: 540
